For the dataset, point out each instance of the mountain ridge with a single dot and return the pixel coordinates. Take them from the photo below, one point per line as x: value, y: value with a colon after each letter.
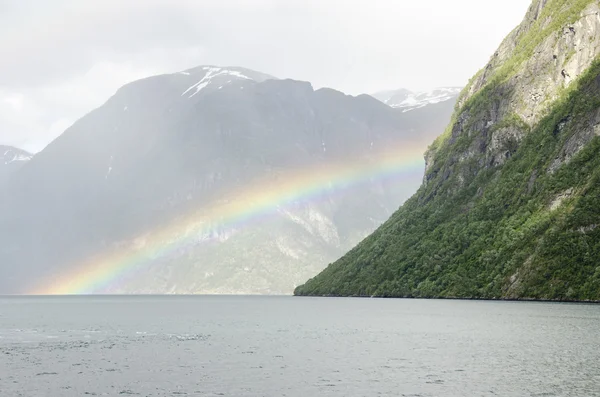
x: 407, y: 100
x: 159, y: 178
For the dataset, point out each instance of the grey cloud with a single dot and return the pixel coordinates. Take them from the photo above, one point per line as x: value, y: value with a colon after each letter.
x: 71, y: 42
x: 66, y: 57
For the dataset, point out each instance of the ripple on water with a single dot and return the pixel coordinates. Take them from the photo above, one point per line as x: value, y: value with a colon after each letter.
x: 235, y: 346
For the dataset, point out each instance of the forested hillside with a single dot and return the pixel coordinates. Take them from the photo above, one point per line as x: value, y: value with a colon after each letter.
x: 510, y: 204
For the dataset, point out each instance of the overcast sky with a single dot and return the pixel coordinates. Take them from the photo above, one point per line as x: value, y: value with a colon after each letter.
x: 62, y: 58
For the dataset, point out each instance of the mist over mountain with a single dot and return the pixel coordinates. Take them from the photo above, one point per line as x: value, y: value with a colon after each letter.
x: 202, y: 181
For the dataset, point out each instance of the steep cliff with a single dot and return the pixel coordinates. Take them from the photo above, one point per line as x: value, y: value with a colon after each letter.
x: 510, y: 203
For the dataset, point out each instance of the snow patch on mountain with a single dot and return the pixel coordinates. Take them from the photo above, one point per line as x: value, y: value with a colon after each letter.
x: 213, y: 74
x: 408, y: 100
x: 110, y: 168
x: 12, y: 155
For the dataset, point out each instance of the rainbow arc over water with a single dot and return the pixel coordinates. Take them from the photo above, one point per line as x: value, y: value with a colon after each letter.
x: 238, y: 209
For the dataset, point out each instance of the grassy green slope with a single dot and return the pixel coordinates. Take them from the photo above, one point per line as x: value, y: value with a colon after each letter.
x: 497, y: 235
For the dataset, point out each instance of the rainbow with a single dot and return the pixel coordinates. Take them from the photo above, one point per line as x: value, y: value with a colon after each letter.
x: 239, y: 209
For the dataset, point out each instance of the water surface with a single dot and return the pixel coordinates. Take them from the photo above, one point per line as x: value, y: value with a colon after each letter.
x: 285, y: 346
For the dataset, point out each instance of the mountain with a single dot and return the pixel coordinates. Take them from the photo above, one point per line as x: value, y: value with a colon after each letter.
x: 407, y: 100
x: 510, y: 204
x: 11, y: 159
x: 211, y: 180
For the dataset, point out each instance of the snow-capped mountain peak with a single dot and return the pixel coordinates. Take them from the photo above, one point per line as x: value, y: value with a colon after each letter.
x: 9, y: 154
x: 11, y: 160
x: 217, y: 77
x: 408, y: 100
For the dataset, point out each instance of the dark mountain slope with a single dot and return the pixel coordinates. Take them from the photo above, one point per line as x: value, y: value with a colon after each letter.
x: 149, y: 167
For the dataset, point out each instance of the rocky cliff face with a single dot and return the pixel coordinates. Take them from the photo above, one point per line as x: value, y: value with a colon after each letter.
x: 533, y: 67
x: 540, y: 58
x: 507, y: 184
x: 202, y: 182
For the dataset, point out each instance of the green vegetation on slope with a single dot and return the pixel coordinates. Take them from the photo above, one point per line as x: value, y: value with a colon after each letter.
x: 499, y: 235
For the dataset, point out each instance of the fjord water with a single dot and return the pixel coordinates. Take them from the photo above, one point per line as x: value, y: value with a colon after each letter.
x: 285, y: 346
